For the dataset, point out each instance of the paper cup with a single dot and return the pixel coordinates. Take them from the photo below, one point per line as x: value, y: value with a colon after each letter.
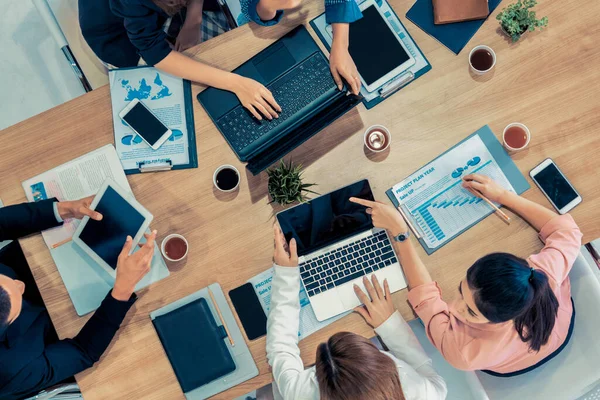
x: 166, y: 240
x: 527, y: 133
x: 482, y: 47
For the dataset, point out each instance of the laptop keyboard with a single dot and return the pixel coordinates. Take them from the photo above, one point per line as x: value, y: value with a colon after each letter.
x: 346, y: 263
x: 293, y: 91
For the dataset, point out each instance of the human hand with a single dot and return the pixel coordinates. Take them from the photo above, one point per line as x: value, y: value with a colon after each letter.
x: 267, y: 9
x: 379, y: 307
x: 284, y: 255
x: 78, y: 209
x: 384, y: 216
x: 189, y: 36
x: 256, y: 98
x: 341, y: 63
x: 483, y: 184
x: 132, y: 268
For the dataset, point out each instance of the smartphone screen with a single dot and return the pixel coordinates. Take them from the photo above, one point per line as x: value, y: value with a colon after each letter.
x: 556, y: 186
x: 249, y: 310
x: 145, y: 123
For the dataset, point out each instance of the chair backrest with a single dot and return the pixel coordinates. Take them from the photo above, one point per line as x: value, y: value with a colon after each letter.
x: 62, y: 19
x: 462, y: 385
x: 574, y: 371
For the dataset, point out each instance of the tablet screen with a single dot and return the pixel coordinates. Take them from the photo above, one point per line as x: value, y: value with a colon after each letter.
x: 119, y: 219
x: 374, y: 48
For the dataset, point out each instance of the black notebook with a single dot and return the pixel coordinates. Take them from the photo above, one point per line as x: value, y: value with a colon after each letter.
x: 194, y: 344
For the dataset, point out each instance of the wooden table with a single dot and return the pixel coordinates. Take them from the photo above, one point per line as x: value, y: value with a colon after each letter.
x: 549, y: 81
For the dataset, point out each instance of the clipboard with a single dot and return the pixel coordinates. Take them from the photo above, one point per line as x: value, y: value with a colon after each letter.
x: 245, y: 365
x: 506, y: 164
x: 422, y: 65
x: 165, y: 164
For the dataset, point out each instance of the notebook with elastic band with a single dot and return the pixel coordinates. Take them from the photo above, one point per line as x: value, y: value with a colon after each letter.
x: 194, y: 344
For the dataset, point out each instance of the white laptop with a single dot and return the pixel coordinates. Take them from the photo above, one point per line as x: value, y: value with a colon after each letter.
x: 338, y: 246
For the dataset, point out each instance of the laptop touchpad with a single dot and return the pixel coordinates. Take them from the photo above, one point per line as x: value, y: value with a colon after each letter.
x: 272, y: 63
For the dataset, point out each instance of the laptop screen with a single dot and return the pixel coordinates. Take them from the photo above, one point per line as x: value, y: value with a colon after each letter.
x: 327, y: 219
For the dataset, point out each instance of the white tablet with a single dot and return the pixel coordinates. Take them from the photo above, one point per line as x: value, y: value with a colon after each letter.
x: 122, y: 215
x: 378, y: 52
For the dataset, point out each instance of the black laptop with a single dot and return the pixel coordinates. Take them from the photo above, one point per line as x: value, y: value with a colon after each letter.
x: 297, y: 72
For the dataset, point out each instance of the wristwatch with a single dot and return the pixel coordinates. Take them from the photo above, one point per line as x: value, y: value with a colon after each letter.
x: 402, y: 237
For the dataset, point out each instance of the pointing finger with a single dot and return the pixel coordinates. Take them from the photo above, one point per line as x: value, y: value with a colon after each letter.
x: 362, y: 202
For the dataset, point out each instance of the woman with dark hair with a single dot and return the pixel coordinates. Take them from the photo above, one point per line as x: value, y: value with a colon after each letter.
x: 127, y: 33
x: 512, y: 314
x: 348, y: 366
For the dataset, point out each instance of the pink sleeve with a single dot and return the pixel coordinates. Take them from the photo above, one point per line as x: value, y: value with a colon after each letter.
x: 445, y: 332
x: 562, y: 239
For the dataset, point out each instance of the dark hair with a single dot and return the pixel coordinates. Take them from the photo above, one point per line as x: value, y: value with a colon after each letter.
x: 506, y: 288
x: 350, y: 367
x: 4, y: 308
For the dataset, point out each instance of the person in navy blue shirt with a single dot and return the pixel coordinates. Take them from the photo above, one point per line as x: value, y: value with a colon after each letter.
x: 121, y: 32
x: 31, y: 356
x: 340, y: 14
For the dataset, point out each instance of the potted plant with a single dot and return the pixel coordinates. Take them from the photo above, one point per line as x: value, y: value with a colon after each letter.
x: 518, y: 18
x: 285, y: 184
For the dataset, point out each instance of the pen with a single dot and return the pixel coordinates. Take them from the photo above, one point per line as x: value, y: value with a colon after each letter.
x: 64, y: 241
x: 498, y: 211
x: 221, y: 317
x: 410, y: 225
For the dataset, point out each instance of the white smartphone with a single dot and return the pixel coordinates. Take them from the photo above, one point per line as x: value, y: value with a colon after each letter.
x: 378, y: 52
x: 555, y: 186
x: 139, y: 118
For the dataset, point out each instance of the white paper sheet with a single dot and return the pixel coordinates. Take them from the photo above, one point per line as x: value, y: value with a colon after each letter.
x: 308, y: 321
x: 164, y: 95
x: 435, y: 199
x: 74, y: 180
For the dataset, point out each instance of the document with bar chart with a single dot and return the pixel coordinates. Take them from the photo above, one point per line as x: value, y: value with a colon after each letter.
x: 434, y: 199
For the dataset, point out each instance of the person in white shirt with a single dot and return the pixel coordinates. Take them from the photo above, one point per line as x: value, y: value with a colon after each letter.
x: 348, y: 366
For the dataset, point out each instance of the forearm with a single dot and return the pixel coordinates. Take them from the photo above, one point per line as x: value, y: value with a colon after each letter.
x: 181, y: 65
x: 532, y: 212
x: 415, y: 271
x: 193, y: 14
x: 27, y: 218
x: 341, y: 35
x: 98, y: 332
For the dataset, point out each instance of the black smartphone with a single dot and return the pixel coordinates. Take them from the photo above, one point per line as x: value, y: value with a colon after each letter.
x: 249, y: 310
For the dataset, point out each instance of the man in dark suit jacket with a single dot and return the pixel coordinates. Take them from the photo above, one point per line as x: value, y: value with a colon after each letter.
x: 31, y: 357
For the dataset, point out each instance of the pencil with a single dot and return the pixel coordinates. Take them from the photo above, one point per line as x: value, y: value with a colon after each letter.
x: 498, y: 211
x: 221, y: 317
x: 410, y: 225
x: 67, y: 240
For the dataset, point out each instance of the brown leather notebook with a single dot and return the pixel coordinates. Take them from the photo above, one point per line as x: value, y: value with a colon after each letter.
x: 448, y: 11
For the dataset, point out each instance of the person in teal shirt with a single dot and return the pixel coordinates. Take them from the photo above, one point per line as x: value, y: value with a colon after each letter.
x: 340, y: 14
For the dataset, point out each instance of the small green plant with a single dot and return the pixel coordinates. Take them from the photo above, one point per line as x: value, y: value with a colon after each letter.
x: 285, y: 184
x: 518, y: 18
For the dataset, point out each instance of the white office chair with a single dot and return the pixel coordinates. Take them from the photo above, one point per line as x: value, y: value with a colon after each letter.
x: 67, y: 391
x: 462, y: 385
x: 576, y: 370
x: 88, y: 69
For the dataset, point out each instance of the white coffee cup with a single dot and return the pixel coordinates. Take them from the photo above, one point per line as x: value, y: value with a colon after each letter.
x: 166, y: 240
x: 221, y: 168
x: 527, y: 133
x: 482, y: 47
x: 371, y: 139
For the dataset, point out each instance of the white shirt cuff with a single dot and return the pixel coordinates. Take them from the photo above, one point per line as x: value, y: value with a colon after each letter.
x: 56, y: 213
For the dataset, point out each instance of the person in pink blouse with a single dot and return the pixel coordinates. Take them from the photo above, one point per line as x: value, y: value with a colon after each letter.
x: 512, y: 314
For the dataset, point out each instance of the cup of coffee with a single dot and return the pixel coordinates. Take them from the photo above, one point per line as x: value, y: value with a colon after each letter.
x: 174, y: 247
x: 377, y: 138
x: 482, y: 59
x: 516, y: 137
x: 226, y: 178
